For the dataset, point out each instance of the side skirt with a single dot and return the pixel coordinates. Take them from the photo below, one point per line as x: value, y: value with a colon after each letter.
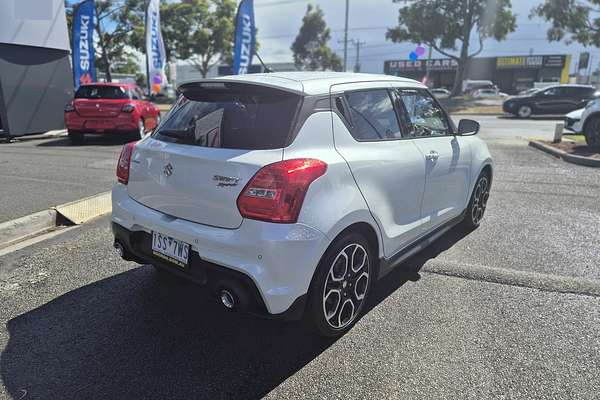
x: 386, y: 265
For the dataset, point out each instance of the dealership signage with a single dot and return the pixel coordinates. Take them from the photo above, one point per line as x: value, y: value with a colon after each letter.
x: 245, y: 42
x: 155, y: 49
x: 84, y: 69
x: 557, y: 61
x: 444, y: 64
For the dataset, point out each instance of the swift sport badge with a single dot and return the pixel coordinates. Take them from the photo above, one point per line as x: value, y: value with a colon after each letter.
x: 226, y: 180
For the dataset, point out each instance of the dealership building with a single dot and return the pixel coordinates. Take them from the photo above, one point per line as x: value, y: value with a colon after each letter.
x: 35, y: 72
x: 511, y: 74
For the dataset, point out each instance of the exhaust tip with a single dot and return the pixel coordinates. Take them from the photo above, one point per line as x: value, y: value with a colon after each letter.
x: 120, y: 250
x: 227, y: 299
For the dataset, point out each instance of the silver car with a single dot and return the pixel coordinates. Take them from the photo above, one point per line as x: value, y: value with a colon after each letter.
x: 289, y: 194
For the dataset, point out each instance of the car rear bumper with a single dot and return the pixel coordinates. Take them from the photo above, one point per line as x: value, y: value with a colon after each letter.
x: 278, y: 260
x: 121, y: 123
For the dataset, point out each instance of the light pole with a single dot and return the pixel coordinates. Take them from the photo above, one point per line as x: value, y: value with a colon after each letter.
x: 346, y: 38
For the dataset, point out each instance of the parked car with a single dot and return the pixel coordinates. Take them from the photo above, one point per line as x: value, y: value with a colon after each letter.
x: 440, y: 93
x: 573, y: 120
x: 555, y: 100
x: 242, y: 188
x: 102, y: 108
x: 489, y: 94
x: 470, y: 86
x: 589, y: 123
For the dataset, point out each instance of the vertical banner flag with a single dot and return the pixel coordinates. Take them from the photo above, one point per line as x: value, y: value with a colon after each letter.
x: 155, y: 49
x: 84, y: 69
x: 245, y: 42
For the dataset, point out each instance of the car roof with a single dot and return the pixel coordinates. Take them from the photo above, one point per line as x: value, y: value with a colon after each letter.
x: 306, y: 83
x: 112, y: 84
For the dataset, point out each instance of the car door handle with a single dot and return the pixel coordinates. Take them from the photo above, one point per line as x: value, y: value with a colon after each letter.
x: 432, y: 156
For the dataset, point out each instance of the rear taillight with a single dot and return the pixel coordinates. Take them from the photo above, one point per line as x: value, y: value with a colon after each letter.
x: 128, y: 108
x: 69, y: 107
x: 276, y: 192
x: 125, y: 163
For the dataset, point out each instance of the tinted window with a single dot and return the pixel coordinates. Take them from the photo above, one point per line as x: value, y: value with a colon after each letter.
x: 425, y: 117
x: 580, y: 92
x: 235, y: 121
x: 373, y: 115
x: 555, y: 91
x: 101, y: 92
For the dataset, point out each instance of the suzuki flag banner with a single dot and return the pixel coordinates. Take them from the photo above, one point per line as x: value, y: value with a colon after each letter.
x: 245, y: 42
x: 84, y: 70
x: 155, y: 49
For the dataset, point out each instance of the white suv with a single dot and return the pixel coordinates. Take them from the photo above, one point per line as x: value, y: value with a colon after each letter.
x: 290, y: 193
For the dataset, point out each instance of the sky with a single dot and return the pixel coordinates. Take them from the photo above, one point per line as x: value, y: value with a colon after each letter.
x: 278, y: 22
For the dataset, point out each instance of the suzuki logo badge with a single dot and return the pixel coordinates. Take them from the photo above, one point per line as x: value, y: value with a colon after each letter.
x: 168, y: 170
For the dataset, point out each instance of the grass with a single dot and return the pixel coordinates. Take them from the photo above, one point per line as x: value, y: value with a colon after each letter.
x: 576, y: 138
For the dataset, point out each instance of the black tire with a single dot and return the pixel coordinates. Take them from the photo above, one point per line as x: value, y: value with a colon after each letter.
x: 351, y: 286
x: 478, y: 202
x: 525, y: 111
x: 591, y: 132
x: 75, y: 137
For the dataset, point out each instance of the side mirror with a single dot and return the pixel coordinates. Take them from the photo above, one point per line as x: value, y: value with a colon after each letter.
x: 468, y: 127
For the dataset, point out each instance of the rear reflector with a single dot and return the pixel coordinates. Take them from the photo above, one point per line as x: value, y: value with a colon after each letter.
x: 125, y: 163
x: 276, y: 192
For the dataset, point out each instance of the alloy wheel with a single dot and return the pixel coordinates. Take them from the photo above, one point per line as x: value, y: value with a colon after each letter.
x: 346, y: 286
x: 525, y: 112
x: 480, y: 198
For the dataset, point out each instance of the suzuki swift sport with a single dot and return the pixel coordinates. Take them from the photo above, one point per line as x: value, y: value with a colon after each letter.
x: 289, y: 194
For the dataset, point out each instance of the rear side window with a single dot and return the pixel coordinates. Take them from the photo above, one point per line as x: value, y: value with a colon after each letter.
x: 101, y: 92
x: 245, y: 121
x: 373, y: 115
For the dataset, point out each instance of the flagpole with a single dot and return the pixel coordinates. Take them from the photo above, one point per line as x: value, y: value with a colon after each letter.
x: 147, y: 3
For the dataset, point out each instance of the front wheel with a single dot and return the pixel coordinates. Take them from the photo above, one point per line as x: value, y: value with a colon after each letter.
x: 524, y: 112
x: 478, y: 202
x: 341, y: 285
x: 592, y: 132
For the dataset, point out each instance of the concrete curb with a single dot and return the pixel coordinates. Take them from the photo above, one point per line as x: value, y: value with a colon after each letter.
x: 20, y: 228
x: 74, y: 213
x: 528, y: 279
x: 580, y: 160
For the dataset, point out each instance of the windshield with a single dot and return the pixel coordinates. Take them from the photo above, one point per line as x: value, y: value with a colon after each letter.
x: 101, y: 92
x: 248, y: 121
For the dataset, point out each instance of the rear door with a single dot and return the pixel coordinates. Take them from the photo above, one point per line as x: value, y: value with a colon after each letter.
x: 389, y: 170
x: 446, y: 157
x: 212, y: 143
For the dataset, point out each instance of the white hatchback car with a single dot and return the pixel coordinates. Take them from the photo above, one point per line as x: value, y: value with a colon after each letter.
x: 290, y: 193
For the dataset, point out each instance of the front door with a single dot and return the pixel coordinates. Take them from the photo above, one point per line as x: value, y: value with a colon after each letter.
x: 446, y: 157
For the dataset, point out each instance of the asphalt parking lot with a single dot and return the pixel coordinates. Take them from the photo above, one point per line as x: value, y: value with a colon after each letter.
x: 503, y: 312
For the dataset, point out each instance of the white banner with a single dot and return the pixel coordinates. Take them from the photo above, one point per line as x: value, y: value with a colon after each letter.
x: 155, y: 49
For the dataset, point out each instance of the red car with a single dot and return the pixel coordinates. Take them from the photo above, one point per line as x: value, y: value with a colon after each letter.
x: 110, y: 107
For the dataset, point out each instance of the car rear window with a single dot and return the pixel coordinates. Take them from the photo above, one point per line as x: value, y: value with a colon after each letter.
x: 245, y: 120
x: 101, y: 92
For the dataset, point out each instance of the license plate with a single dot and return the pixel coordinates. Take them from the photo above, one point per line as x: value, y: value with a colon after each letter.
x: 172, y: 250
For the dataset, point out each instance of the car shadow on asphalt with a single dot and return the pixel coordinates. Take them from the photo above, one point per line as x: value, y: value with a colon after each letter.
x: 106, y: 140
x: 134, y: 336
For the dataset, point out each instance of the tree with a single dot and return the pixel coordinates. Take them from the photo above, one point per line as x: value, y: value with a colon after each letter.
x: 448, y: 27
x: 199, y: 31
x: 579, y: 19
x: 310, y: 46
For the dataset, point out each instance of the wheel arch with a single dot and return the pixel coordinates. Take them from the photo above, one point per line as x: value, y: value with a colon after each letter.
x: 589, y: 118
